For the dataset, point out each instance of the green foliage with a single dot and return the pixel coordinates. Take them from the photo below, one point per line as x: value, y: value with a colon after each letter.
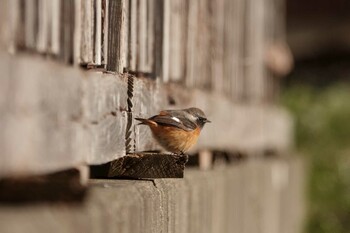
x: 323, y: 135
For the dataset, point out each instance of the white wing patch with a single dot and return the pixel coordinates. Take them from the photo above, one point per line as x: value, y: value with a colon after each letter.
x: 176, y: 119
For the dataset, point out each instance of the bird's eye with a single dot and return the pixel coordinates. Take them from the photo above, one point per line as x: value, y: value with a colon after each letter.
x: 202, y: 119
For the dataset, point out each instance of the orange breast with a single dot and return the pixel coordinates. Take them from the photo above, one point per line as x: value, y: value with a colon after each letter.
x: 174, y: 139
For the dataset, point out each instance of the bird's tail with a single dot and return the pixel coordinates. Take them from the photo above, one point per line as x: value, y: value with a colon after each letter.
x: 145, y: 121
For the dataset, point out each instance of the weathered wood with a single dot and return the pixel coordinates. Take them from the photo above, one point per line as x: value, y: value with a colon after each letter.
x: 218, y: 47
x: 117, y: 35
x: 221, y: 200
x: 147, y: 165
x: 85, y: 33
x: 142, y: 166
x: 67, y: 31
x: 55, y: 31
x: 64, y: 186
x: 72, y: 117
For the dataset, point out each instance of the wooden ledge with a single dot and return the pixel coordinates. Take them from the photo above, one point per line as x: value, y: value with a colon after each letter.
x: 142, y: 166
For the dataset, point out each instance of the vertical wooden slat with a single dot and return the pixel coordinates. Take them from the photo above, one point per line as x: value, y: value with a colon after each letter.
x: 21, y: 29
x: 55, y: 27
x: 98, y: 31
x: 14, y: 18
x: 67, y: 31
x: 255, y: 50
x: 233, y: 52
x: 43, y: 26
x: 203, y: 55
x: 150, y: 36
x: 191, y: 56
x: 114, y: 28
x: 117, y: 35
x: 132, y: 48
x: 124, y: 36
x: 229, y: 52
x: 217, y: 19
x: 77, y: 31
x: 166, y: 42
x: 142, y: 36
x: 177, y: 39
x: 158, y: 38
x: 104, y: 39
x: 86, y: 30
x: 31, y: 23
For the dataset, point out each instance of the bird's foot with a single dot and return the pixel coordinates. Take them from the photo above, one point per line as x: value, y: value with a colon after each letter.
x: 182, y: 156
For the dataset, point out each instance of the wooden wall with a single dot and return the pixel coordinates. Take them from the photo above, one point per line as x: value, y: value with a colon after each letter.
x: 213, y: 45
x: 75, y: 73
x: 258, y: 196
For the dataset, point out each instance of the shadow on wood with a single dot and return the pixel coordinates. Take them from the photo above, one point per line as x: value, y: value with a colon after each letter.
x: 64, y: 186
x: 142, y: 165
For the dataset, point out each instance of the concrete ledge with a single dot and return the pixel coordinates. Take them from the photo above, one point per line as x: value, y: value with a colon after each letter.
x: 256, y: 195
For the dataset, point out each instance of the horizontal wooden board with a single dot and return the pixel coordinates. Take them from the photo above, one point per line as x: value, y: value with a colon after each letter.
x: 251, y: 196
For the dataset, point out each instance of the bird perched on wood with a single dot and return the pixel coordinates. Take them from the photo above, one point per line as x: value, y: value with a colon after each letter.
x: 176, y: 130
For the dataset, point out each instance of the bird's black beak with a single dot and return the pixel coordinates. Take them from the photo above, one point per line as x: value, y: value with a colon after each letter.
x: 207, y: 121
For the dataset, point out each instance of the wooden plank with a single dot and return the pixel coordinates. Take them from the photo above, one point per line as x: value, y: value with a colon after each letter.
x: 177, y: 40
x: 142, y: 166
x: 166, y: 41
x: 142, y: 65
x: 31, y: 23
x: 43, y: 27
x: 78, y: 35
x: 98, y: 32
x: 132, y: 48
x: 17, y: 8
x: 54, y: 48
x: 217, y: 46
x: 67, y: 31
x: 233, y: 53
x: 158, y: 39
x: 150, y: 36
x: 4, y: 27
x: 117, y: 35
x: 197, y: 203
x: 86, y: 29
x: 255, y: 50
x: 192, y: 34
x: 104, y: 33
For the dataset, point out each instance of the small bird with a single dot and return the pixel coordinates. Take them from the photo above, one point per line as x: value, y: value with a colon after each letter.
x: 176, y: 130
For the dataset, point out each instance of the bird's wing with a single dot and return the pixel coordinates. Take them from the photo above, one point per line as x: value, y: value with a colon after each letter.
x: 175, y: 119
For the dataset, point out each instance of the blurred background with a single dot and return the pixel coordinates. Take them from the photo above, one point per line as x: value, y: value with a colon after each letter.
x: 317, y: 92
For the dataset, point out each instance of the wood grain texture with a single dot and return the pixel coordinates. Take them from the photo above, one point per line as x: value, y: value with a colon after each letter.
x: 117, y: 35
x: 223, y: 200
x: 142, y: 166
x: 217, y: 46
x: 58, y: 116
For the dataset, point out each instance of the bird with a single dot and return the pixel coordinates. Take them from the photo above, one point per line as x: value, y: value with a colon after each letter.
x: 176, y: 130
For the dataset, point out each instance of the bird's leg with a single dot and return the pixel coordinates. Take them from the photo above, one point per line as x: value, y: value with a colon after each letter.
x: 184, y: 156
